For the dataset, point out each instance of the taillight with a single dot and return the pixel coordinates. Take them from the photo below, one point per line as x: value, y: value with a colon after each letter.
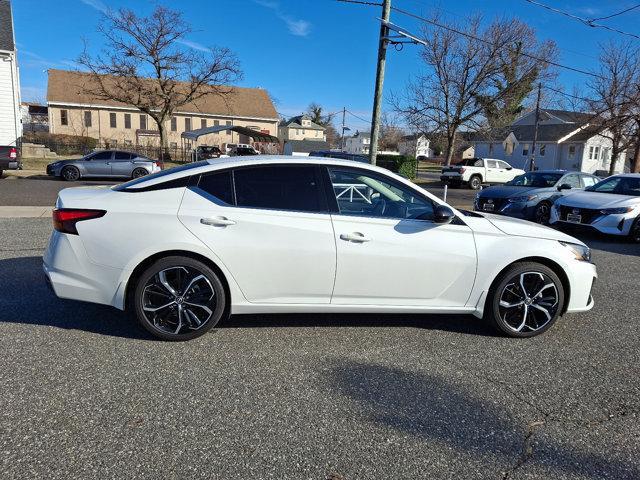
x: 13, y: 153
x: 462, y: 170
x: 65, y: 219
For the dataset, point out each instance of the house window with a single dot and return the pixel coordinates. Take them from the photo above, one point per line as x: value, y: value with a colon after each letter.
x: 174, y: 124
x: 543, y: 150
x: 606, y: 155
x: 128, y: 143
x: 127, y: 120
x: 173, y: 145
x: 572, y: 151
x: 203, y: 123
x: 187, y: 124
x: 143, y: 122
x: 490, y: 148
x: 509, y: 148
x: 525, y: 149
x: 594, y: 152
x: 216, y: 123
x: 64, y: 117
x: 87, y: 119
x: 228, y: 123
x: 114, y: 143
x: 112, y: 120
x: 297, y: 131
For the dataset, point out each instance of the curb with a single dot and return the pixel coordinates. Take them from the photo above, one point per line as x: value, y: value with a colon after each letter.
x: 25, y: 212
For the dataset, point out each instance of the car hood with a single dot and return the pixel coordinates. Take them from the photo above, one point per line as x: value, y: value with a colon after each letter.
x: 595, y: 200
x: 523, y: 228
x: 507, y: 191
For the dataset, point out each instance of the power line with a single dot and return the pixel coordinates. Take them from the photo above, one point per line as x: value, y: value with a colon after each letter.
x: 618, y: 13
x: 473, y: 37
x: 577, y: 97
x: 358, y: 117
x: 586, y: 21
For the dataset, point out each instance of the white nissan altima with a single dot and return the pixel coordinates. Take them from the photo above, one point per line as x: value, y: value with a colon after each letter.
x: 184, y: 248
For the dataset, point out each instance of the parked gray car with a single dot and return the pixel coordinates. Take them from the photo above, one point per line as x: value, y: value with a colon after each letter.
x: 104, y: 163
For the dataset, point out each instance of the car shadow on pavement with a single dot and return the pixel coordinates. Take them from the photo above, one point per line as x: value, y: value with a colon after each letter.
x: 432, y: 408
x: 25, y: 298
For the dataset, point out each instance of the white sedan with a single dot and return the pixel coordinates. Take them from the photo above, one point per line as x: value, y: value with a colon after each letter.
x: 184, y: 248
x: 611, y: 206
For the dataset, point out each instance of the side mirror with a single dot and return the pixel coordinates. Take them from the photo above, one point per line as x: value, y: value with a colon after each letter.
x: 443, y: 214
x: 509, y: 168
x: 564, y: 186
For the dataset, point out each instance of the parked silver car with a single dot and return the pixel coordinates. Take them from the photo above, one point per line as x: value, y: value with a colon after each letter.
x: 104, y: 163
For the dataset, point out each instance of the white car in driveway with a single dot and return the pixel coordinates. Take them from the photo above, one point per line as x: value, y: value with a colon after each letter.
x: 186, y: 247
x: 611, y: 206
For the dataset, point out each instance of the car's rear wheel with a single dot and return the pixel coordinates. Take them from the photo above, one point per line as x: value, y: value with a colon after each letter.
x: 139, y: 172
x: 542, y: 213
x: 179, y: 298
x: 634, y: 233
x: 1, y: 172
x: 526, y: 300
x: 475, y: 182
x: 70, y: 173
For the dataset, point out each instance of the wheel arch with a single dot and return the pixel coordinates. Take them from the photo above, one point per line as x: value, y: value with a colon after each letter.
x: 144, y: 264
x: 547, y: 262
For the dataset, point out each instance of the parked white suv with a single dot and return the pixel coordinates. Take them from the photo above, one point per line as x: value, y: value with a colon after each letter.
x: 477, y: 171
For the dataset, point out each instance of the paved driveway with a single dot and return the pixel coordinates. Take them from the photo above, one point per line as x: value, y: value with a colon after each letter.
x: 86, y: 394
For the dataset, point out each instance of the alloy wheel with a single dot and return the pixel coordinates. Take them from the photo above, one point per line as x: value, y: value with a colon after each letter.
x: 71, y: 174
x: 178, y: 300
x: 139, y: 172
x: 528, y: 302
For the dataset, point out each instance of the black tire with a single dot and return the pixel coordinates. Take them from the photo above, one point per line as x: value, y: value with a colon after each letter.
x: 542, y: 213
x: 475, y: 182
x: 150, y: 293
x: 139, y: 172
x: 70, y: 173
x: 1, y: 172
x: 506, y: 290
x: 634, y: 233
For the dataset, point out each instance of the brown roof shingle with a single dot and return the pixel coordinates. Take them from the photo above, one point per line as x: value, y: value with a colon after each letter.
x: 68, y: 87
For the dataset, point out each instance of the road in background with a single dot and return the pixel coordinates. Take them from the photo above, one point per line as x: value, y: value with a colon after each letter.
x: 85, y: 393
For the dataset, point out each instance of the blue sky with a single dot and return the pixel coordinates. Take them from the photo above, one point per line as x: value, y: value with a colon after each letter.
x: 303, y: 50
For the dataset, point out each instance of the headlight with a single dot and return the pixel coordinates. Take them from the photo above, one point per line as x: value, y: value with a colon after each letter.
x: 581, y: 252
x: 616, y: 211
x: 523, y: 199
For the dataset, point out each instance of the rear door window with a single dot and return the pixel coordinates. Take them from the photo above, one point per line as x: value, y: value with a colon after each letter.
x: 122, y: 156
x: 280, y: 187
x: 102, y: 156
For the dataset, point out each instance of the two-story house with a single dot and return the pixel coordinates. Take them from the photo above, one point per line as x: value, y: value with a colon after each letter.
x: 73, y: 111
x: 415, y: 146
x: 301, y: 128
x: 566, y: 140
x: 358, y: 143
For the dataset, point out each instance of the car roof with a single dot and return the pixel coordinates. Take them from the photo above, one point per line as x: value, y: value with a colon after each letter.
x: 230, y: 162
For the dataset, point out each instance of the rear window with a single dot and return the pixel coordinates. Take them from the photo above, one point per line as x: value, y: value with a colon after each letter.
x: 471, y: 162
x: 132, y: 183
x: 218, y: 185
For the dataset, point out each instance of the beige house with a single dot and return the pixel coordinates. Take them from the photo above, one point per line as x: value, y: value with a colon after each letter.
x: 301, y: 128
x: 73, y: 112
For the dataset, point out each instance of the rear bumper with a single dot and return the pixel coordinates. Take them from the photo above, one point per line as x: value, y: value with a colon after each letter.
x: 10, y: 164
x: 72, y: 275
x: 451, y: 178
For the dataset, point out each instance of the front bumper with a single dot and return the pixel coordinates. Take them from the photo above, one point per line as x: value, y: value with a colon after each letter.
x: 608, y: 224
x: 582, y: 277
x: 522, y: 210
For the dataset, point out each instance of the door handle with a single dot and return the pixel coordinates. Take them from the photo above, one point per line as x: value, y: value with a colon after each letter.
x: 355, y: 237
x: 217, y: 221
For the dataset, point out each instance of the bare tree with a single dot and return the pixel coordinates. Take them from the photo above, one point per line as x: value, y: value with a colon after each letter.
x: 616, y: 96
x: 461, y: 69
x: 317, y: 115
x: 148, y: 63
x: 390, y: 132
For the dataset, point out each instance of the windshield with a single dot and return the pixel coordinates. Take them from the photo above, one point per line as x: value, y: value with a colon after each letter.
x: 536, y: 179
x: 618, y: 185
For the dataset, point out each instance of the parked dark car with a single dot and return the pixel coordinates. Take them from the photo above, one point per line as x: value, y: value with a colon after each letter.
x: 530, y: 196
x: 340, y: 155
x: 9, y: 159
x: 105, y: 163
x: 243, y: 151
x: 205, y: 152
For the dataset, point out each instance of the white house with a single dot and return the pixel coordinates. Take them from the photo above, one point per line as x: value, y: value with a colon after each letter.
x: 415, y: 146
x: 566, y: 140
x: 301, y: 128
x: 359, y: 143
x: 10, y: 125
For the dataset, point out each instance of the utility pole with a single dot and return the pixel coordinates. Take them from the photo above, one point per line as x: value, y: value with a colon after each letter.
x: 344, y: 112
x: 382, y: 60
x: 532, y: 165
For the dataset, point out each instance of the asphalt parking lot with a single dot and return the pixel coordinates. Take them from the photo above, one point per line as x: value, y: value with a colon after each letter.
x: 86, y: 394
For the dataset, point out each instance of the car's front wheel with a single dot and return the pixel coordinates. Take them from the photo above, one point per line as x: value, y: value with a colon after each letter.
x: 542, y: 213
x: 70, y: 173
x: 525, y: 300
x: 179, y: 298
